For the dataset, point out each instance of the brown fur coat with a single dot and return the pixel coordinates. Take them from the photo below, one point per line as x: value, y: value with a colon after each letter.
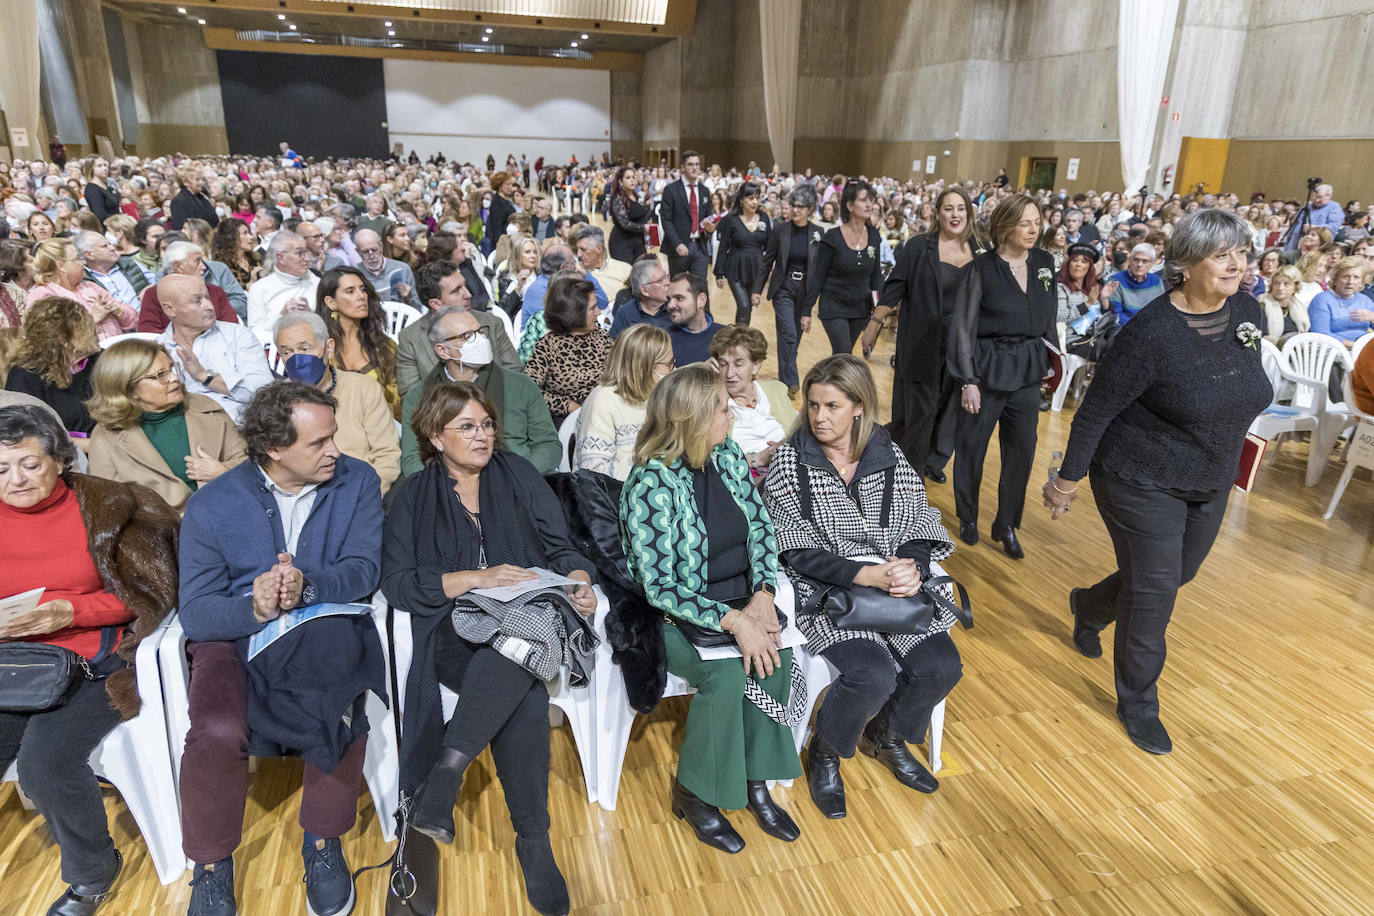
x: 132, y: 536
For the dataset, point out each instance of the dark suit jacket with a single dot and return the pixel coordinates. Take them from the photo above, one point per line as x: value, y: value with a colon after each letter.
x: 542, y: 229
x: 188, y: 206
x: 1088, y: 234
x: 500, y: 213
x: 913, y: 288
x: 775, y: 254
x: 676, y: 217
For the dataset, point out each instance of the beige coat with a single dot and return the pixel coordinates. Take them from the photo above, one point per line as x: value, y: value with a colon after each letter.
x: 367, y: 430
x: 128, y: 457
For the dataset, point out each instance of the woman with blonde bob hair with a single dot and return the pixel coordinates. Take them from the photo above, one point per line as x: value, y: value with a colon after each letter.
x: 151, y: 432
x: 614, y: 412
x: 849, y: 510
x: 698, y: 541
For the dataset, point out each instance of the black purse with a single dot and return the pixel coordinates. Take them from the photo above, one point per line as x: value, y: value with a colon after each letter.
x: 862, y: 607
x: 703, y: 638
x: 36, y: 677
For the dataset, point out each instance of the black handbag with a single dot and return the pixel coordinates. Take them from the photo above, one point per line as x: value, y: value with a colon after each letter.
x: 36, y: 677
x: 703, y: 638
x: 862, y: 607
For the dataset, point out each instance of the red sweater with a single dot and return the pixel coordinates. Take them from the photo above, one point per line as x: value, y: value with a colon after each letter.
x: 45, y: 547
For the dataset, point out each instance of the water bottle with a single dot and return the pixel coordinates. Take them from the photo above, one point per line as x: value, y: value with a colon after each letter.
x: 1055, y: 460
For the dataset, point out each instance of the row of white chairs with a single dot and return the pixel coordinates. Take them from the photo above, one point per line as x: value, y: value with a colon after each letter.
x: 142, y: 757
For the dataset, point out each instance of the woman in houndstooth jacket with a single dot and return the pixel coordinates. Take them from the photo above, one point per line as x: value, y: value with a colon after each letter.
x: 840, y: 490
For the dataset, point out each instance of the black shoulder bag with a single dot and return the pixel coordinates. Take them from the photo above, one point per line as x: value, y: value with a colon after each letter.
x: 862, y: 607
x: 36, y: 677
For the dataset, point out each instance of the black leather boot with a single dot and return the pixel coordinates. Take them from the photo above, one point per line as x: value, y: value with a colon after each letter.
x: 1086, y: 638
x: 413, y: 885
x: 85, y: 899
x: 774, y: 821
x: 891, y: 751
x: 544, y: 884
x: 823, y: 776
x: 1006, y: 536
x: 432, y: 813
x: 968, y: 532
x: 707, y: 822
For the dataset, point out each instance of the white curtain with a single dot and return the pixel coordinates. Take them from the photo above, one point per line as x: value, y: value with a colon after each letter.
x: 1144, y: 37
x: 19, y: 74
x: 780, y: 27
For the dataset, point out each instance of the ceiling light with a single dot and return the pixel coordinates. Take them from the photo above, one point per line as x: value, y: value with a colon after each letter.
x: 574, y: 44
x: 485, y: 38
x: 391, y: 32
x: 281, y: 15
x: 488, y: 31
x: 387, y: 23
x: 201, y: 21
x: 181, y: 10
x: 291, y: 26
x: 584, y: 36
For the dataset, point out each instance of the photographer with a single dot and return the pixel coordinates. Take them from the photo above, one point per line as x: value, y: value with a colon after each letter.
x: 1321, y: 210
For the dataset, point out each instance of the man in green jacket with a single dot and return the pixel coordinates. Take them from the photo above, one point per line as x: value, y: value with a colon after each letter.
x: 440, y: 284
x: 465, y: 355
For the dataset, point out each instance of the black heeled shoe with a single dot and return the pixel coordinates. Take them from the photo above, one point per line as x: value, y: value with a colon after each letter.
x: 935, y: 475
x: 968, y: 532
x: 1085, y: 638
x: 1147, y: 733
x: 432, y: 812
x: 1006, y: 536
x: 85, y: 899
x: 772, y: 819
x: 823, y: 777
x: 544, y: 884
x: 706, y: 821
x: 891, y: 751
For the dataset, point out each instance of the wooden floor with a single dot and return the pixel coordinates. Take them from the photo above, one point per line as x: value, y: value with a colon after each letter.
x: 1265, y: 806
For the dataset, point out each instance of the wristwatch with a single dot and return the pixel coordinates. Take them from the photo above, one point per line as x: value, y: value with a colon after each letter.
x: 209, y: 377
x: 307, y: 593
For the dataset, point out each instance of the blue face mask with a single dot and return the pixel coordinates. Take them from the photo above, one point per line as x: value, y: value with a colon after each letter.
x: 305, y: 367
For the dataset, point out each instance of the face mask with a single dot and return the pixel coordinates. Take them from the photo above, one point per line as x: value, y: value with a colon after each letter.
x: 476, y: 352
x: 1118, y: 258
x: 112, y: 238
x: 305, y: 367
x: 222, y: 212
x: 80, y: 364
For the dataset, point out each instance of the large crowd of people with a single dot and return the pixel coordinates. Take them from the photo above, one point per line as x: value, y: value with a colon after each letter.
x: 249, y: 389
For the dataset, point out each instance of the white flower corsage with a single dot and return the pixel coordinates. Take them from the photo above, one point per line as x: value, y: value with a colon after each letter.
x: 870, y: 251
x: 1044, y: 275
x: 1249, y: 335
x: 815, y: 237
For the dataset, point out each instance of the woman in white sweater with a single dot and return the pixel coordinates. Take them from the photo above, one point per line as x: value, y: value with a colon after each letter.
x: 614, y: 411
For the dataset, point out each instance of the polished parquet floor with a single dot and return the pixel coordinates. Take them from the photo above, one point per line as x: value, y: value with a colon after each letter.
x: 1265, y: 806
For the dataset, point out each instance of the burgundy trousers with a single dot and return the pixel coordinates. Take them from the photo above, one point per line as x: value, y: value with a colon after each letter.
x: 214, y: 765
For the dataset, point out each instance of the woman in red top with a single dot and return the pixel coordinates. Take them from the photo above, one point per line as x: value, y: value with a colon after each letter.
x: 105, y: 556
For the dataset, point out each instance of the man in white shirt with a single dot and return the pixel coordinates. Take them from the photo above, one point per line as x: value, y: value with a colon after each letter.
x: 289, y: 287
x: 218, y: 359
x: 613, y: 275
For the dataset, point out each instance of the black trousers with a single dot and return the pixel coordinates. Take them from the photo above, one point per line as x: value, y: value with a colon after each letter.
x: 693, y: 262
x: 743, y: 304
x: 1016, y: 415
x: 51, y: 749
x: 844, y: 332
x: 788, y: 326
x: 922, y: 422
x: 502, y: 705
x: 946, y: 423
x: 869, y: 685
x: 1160, y: 541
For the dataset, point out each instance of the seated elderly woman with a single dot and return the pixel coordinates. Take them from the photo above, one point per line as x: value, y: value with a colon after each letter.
x: 613, y: 413
x: 352, y: 311
x: 366, y: 428
x: 56, y: 359
x: 151, y: 431
x: 840, y: 491
x: 567, y: 362
x: 104, y: 554
x: 763, y: 411
x: 1343, y: 312
x: 699, y: 542
x: 186, y: 259
x: 1284, y: 314
x: 58, y: 271
x: 476, y: 517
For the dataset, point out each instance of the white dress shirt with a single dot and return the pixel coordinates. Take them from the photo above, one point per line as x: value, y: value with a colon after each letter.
x: 231, y: 352
x: 294, y: 509
x: 117, y: 284
x: 268, y: 297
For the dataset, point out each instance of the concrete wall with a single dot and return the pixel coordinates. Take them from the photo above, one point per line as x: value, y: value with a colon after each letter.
x: 627, y: 114
x: 176, y: 88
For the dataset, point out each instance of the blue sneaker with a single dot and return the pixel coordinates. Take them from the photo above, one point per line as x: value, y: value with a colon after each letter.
x: 212, y: 891
x: 328, y: 882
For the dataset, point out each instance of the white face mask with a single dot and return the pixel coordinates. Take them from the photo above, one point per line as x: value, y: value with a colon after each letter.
x: 476, y: 352
x: 112, y: 239
x: 222, y: 212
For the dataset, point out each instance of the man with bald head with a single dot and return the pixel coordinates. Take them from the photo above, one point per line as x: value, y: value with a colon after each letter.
x: 393, y: 281
x: 218, y: 359
x: 290, y: 287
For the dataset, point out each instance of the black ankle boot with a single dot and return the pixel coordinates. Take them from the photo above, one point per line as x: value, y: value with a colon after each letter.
x: 707, y: 822
x: 891, y: 751
x: 85, y: 899
x: 544, y: 884
x: 823, y: 776
x: 413, y: 885
x: 774, y: 821
x: 1087, y: 639
x: 432, y: 813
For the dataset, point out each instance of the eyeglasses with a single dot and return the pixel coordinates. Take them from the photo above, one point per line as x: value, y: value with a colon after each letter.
x: 465, y: 338
x: 470, y: 430
x: 163, y: 378
x: 670, y: 363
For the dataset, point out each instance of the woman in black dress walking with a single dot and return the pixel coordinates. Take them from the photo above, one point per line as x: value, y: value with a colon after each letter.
x: 1003, y: 317
x: 628, y: 216
x: 847, y: 270
x: 741, y: 237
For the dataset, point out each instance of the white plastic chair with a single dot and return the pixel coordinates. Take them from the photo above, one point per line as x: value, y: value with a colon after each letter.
x: 398, y: 315
x: 566, y: 433
x: 135, y: 758
x: 1072, y: 366
x: 381, y: 766
x: 506, y: 323
x: 133, y: 335
x: 1309, y: 359
x: 577, y: 704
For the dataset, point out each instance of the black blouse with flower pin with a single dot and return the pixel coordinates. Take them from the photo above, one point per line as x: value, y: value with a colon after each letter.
x: 998, y: 331
x: 845, y: 278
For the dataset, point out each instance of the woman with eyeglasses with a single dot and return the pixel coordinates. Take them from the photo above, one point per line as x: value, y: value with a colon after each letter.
x: 477, y: 516
x: 151, y: 432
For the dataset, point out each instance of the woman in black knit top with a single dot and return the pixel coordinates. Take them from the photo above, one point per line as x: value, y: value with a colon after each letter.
x: 1160, y: 435
x: 741, y: 235
x: 847, y: 270
x: 1004, y: 314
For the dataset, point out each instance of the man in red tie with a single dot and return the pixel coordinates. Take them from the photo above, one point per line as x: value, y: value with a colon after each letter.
x: 687, y: 219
